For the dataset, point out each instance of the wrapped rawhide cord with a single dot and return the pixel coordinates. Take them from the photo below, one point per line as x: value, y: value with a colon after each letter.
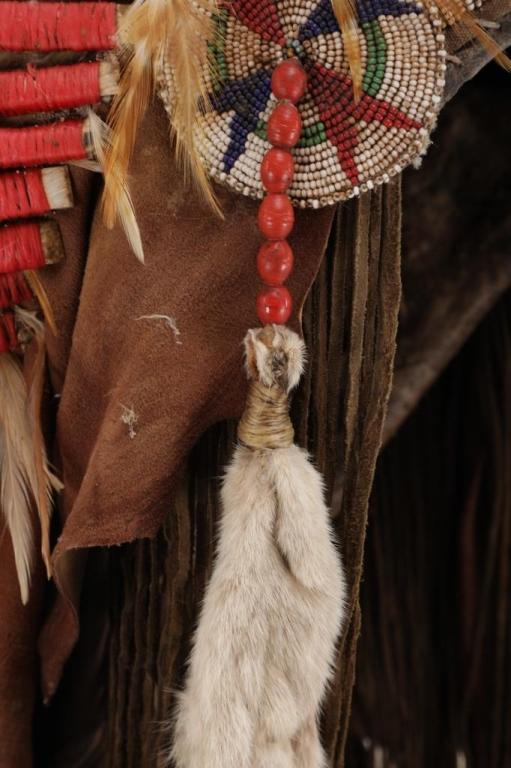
x: 264, y: 646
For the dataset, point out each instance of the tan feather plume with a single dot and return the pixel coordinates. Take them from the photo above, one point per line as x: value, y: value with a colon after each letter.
x: 100, y: 138
x: 154, y: 31
x: 18, y: 477
x: 25, y: 477
x: 47, y: 482
x: 37, y: 289
x: 346, y: 15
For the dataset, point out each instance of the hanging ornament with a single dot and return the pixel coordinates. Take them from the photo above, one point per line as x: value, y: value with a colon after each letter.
x: 375, y: 71
x: 264, y: 647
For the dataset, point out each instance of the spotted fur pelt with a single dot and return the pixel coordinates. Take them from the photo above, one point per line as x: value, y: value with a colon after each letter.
x: 264, y: 646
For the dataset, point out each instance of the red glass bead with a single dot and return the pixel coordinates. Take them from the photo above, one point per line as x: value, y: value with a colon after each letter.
x: 289, y: 80
x: 277, y: 170
x: 284, y: 125
x: 276, y: 217
x: 275, y: 262
x: 274, y: 305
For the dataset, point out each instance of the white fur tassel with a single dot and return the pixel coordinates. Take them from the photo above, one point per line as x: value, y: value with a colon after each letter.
x: 263, y: 650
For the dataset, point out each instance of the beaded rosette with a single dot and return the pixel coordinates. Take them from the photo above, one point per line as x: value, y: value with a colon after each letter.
x: 345, y: 147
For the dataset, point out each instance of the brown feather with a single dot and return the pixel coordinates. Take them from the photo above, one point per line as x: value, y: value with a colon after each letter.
x: 99, y: 135
x: 186, y: 54
x: 37, y: 289
x: 25, y: 476
x: 152, y: 32
x: 31, y: 327
x: 346, y: 14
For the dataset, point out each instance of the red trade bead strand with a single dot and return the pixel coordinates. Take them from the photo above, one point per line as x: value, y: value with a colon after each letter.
x: 276, y: 217
x: 277, y: 169
x: 289, y: 81
x: 275, y: 262
x: 284, y: 125
x: 274, y: 305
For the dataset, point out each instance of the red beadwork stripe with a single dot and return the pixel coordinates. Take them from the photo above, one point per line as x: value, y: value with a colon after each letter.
x: 42, y: 144
x: 13, y: 289
x: 26, y: 26
x: 8, y: 335
x: 261, y: 17
x: 41, y: 90
x: 21, y: 247
x: 22, y: 194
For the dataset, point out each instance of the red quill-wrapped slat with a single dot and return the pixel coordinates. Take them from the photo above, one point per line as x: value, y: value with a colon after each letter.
x: 29, y: 245
x: 21, y: 247
x: 8, y: 335
x: 42, y: 144
x: 13, y: 289
x: 26, y: 26
x: 41, y: 90
x: 22, y: 194
x: 34, y: 192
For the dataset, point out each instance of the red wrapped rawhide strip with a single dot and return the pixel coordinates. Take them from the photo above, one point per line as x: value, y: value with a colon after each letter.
x: 42, y: 26
x: 29, y: 245
x: 13, y: 289
x: 8, y: 335
x: 33, y: 192
x: 43, y: 144
x: 23, y: 91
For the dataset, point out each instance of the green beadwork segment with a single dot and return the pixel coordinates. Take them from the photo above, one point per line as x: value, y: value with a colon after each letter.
x: 261, y: 130
x: 312, y: 135
x: 371, y: 84
x: 217, y: 60
x: 376, y: 57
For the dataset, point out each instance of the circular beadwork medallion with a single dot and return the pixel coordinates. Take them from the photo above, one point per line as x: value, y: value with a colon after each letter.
x: 345, y: 147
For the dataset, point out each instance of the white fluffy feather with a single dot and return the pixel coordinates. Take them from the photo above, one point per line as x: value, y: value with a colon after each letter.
x: 264, y: 647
